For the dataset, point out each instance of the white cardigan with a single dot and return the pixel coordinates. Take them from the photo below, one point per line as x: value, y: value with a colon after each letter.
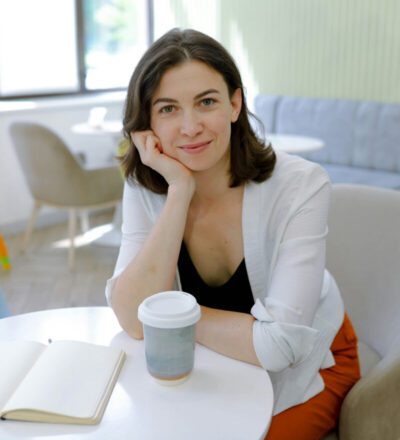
x: 298, y: 308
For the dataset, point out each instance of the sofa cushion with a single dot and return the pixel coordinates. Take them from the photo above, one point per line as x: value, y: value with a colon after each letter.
x: 361, y: 134
x: 265, y: 107
x: 362, y: 176
x: 330, y: 120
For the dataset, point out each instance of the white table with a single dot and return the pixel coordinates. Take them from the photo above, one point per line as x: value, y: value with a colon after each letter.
x: 106, y: 127
x: 109, y: 129
x: 294, y: 144
x: 223, y: 398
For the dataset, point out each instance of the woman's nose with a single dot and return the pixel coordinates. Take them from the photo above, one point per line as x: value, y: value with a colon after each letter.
x: 191, y: 124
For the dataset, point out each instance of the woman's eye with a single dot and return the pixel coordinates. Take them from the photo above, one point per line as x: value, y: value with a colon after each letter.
x: 167, y: 109
x: 208, y: 101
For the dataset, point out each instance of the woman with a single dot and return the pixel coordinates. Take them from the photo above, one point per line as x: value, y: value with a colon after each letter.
x: 209, y: 209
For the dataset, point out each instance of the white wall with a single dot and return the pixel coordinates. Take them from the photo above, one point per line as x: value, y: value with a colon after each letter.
x: 59, y: 114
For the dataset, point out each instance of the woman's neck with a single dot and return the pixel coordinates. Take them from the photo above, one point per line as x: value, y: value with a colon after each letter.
x: 214, y: 183
x: 211, y: 186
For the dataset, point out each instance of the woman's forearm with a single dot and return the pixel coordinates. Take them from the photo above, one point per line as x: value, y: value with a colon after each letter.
x: 228, y: 333
x: 153, y: 268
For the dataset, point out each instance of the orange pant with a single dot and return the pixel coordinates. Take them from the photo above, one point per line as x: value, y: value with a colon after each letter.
x: 319, y: 415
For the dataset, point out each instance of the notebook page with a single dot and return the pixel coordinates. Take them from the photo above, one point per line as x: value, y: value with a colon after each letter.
x: 16, y: 359
x: 69, y: 378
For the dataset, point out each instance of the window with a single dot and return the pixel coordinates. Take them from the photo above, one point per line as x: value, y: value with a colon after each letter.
x: 70, y: 46
x: 37, y: 47
x: 115, y: 39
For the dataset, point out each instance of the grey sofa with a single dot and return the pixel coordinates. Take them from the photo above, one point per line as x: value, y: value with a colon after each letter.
x: 362, y: 138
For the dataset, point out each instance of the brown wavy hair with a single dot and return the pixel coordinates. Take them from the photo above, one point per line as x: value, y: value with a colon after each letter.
x: 251, y: 159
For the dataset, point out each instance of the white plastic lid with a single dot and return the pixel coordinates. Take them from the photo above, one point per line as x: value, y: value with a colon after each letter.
x: 170, y: 309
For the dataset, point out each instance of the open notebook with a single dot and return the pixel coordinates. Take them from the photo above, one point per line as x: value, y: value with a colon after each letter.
x: 64, y: 382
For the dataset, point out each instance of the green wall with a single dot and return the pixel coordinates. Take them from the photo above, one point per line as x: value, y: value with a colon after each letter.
x: 321, y: 48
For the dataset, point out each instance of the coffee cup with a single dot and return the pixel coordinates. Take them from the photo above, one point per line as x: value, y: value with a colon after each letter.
x: 169, y: 323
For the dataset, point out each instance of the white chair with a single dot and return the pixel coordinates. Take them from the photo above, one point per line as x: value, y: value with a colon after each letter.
x: 363, y: 254
x: 56, y: 178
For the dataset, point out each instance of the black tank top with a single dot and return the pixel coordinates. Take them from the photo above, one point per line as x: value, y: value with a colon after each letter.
x: 235, y: 295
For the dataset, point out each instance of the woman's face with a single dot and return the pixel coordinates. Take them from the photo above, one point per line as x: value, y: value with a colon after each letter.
x: 191, y: 114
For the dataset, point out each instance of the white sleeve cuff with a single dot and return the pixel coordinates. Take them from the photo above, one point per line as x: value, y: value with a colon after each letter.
x: 279, y: 345
x: 110, y: 285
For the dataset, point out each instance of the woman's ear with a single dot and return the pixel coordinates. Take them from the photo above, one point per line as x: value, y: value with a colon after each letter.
x: 236, y: 102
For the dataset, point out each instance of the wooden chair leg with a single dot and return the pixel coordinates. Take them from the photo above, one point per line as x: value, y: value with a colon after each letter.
x: 84, y: 220
x: 72, y: 233
x: 29, y: 228
x: 117, y: 218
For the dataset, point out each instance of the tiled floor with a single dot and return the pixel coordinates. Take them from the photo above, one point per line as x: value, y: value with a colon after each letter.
x: 40, y: 279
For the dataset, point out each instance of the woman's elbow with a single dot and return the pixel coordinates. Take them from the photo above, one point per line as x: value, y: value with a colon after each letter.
x: 135, y: 333
x: 134, y: 330
x: 126, y: 319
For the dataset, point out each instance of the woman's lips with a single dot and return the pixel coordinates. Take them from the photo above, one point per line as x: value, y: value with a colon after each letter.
x: 195, y: 148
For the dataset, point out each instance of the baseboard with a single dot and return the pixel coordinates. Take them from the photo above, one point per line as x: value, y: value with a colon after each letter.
x: 44, y: 220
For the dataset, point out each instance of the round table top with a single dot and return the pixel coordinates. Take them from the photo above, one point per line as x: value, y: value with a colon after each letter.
x: 295, y: 144
x: 106, y: 127
x: 222, y: 399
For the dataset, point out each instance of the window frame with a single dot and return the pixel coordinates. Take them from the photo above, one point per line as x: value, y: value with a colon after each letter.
x: 80, y: 55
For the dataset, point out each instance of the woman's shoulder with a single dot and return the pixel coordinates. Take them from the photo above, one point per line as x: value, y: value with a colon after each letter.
x: 291, y: 171
x: 137, y: 195
x: 132, y: 187
x: 292, y: 163
x: 292, y: 174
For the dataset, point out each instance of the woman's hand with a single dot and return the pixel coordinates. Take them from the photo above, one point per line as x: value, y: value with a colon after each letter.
x: 153, y: 156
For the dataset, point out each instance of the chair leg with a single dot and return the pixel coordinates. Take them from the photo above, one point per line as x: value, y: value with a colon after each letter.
x: 72, y: 233
x: 29, y: 228
x: 117, y: 218
x: 84, y: 220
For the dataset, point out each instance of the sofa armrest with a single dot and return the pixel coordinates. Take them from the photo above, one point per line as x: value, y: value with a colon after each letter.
x: 372, y: 407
